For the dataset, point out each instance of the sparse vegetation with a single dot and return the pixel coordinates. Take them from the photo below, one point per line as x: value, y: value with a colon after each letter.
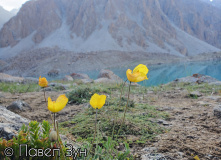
x: 141, y: 124
x: 18, y: 87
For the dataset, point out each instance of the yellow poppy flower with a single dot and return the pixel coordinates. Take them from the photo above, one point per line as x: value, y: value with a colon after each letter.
x: 196, y: 158
x: 139, y: 73
x: 57, y: 106
x: 97, y: 101
x: 43, y: 82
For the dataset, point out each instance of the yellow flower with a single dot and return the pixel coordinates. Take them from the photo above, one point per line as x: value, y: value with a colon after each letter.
x: 97, y: 101
x: 196, y: 158
x: 43, y: 82
x: 57, y: 106
x: 139, y: 73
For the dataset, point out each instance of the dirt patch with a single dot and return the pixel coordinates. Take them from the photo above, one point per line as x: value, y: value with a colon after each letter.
x: 193, y: 129
x: 39, y: 110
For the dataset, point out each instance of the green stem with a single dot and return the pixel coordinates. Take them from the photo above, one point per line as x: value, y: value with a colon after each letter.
x: 125, y: 111
x: 118, y: 108
x: 94, y: 130
x: 54, y: 123
x: 58, y: 140
x: 46, y: 102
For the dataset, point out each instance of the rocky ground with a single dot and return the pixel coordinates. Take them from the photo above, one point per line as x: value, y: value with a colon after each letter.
x: 47, y: 60
x: 194, y: 123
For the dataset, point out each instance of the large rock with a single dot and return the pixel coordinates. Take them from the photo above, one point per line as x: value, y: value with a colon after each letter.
x: 53, y: 73
x: 79, y: 76
x: 8, y: 78
x: 107, y: 76
x: 104, y: 80
x: 10, y: 123
x: 217, y: 83
x: 28, y: 80
x: 18, y: 106
x: 151, y: 154
x: 217, y: 111
x: 197, y: 79
x: 86, y: 81
x: 83, y: 77
x: 68, y: 78
x: 60, y: 86
x: 195, y: 94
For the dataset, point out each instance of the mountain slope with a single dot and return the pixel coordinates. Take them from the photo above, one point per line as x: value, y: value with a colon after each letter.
x: 5, y: 16
x: 155, y: 26
x: 198, y: 19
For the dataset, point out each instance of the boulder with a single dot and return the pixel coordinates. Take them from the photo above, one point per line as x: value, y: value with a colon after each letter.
x: 197, y: 79
x: 195, y: 94
x: 215, y: 98
x: 79, y: 76
x: 217, y: 111
x: 107, y: 76
x: 68, y: 78
x: 18, y: 106
x: 53, y: 73
x: 150, y: 153
x: 8, y: 78
x: 217, y: 83
x: 86, y: 80
x: 104, y: 80
x: 28, y: 80
x: 60, y: 86
x: 46, y: 89
x: 10, y: 123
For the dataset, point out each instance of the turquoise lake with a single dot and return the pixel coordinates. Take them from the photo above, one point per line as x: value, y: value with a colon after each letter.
x: 164, y: 73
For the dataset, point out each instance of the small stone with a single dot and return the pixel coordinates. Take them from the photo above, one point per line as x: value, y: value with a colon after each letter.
x: 215, y: 98
x: 153, y: 156
x: 150, y: 92
x: 202, y: 103
x: 195, y: 94
x: 149, y: 149
x: 87, y: 81
x: 7, y: 133
x: 165, y: 123
x: 60, y: 86
x: 217, y: 83
x: 46, y: 89
x: 86, y: 105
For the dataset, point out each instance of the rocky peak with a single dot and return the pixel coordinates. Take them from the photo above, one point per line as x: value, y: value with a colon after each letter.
x: 41, y: 17
x: 196, y: 18
x: 124, y: 25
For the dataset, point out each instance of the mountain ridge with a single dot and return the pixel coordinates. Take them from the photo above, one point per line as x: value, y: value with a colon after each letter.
x: 82, y: 26
x: 5, y: 16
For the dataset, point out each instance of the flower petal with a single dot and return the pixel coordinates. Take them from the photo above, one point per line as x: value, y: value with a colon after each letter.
x: 60, y: 103
x: 57, y: 106
x: 141, y: 68
x: 141, y: 77
x: 97, y: 101
x: 50, y: 105
x: 132, y: 77
x: 101, y: 101
x: 94, y: 100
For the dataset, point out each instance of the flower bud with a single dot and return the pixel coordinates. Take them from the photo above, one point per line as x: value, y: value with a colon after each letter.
x: 53, y: 136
